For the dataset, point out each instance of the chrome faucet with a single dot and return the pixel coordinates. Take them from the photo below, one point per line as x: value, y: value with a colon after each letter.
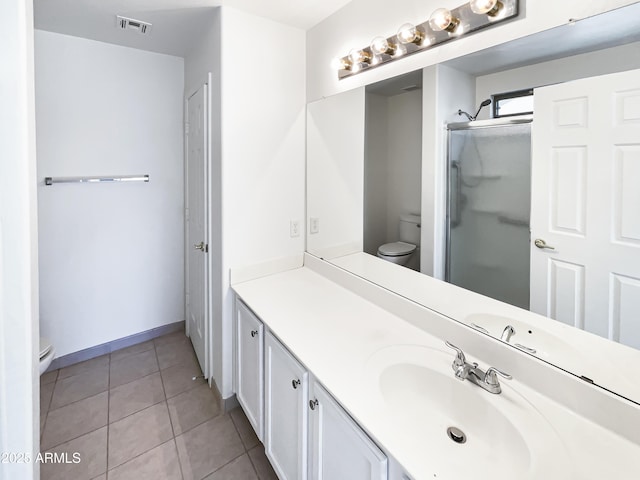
x: 507, y: 333
x: 470, y: 371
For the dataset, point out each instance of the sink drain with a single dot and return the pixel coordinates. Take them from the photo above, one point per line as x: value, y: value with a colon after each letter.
x: 456, y: 435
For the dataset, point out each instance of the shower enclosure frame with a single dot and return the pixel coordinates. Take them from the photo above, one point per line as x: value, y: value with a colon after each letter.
x: 473, y: 125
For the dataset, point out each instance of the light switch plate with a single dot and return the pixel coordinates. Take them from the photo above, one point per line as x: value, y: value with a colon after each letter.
x: 314, y: 225
x: 294, y: 228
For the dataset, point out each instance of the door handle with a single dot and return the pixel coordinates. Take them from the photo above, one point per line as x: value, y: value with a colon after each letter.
x: 200, y: 246
x: 540, y: 243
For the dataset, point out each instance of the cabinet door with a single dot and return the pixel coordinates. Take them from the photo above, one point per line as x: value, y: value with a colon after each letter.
x: 250, y: 366
x: 286, y: 387
x: 338, y: 446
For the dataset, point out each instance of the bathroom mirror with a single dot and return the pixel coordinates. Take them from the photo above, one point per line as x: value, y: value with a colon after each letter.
x: 362, y: 177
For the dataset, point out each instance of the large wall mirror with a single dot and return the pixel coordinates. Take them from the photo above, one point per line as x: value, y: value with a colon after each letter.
x: 534, y: 217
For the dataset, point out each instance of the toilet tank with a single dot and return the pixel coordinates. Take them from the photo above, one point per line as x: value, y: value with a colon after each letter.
x: 410, y: 229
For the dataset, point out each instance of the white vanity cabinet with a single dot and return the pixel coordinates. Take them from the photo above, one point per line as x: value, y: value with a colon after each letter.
x: 250, y: 366
x: 338, y: 446
x: 286, y: 411
x: 305, y: 431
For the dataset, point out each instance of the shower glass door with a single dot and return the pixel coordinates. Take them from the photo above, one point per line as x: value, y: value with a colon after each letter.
x: 489, y: 202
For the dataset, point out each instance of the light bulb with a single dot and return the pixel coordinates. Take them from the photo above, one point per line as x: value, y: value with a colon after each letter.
x: 381, y: 46
x: 443, y: 19
x: 358, y: 56
x: 408, y: 33
x: 488, y: 7
x: 340, y: 64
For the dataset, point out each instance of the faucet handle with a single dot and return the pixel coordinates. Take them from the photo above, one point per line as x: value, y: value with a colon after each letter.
x: 460, y: 359
x: 490, y: 377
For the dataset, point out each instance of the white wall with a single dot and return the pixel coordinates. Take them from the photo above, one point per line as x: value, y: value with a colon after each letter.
x: 404, y: 153
x: 263, y: 151
x: 600, y: 62
x: 376, y: 165
x: 361, y: 20
x: 445, y: 90
x: 19, y: 375
x: 335, y: 167
x: 111, y: 255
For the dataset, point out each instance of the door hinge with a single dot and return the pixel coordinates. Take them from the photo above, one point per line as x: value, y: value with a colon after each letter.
x: 186, y: 128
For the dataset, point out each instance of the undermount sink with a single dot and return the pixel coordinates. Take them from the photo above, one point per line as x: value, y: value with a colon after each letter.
x: 464, y: 429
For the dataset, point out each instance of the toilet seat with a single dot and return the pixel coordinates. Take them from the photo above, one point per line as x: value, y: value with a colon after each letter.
x: 396, y: 249
x: 47, y: 352
x: 45, y: 346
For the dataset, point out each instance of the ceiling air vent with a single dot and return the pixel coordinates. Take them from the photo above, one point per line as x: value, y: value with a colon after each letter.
x: 124, y: 23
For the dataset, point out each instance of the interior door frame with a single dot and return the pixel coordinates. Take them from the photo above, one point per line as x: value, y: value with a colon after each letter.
x: 208, y: 354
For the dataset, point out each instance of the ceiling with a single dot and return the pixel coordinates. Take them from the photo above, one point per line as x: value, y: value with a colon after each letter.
x: 177, y: 24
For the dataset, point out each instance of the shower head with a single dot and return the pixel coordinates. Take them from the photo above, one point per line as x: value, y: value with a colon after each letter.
x: 482, y: 105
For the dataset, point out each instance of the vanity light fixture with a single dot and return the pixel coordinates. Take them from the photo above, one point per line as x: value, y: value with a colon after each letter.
x: 486, y: 7
x: 442, y: 26
x: 381, y: 46
x: 442, y: 20
x: 359, y: 56
x: 341, y: 64
x: 409, y: 33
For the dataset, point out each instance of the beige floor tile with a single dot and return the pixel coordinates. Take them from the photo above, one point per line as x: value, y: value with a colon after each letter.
x: 192, y: 408
x: 135, y: 396
x: 84, y: 367
x: 138, y: 433
x: 132, y: 350
x: 170, y: 338
x: 208, y: 447
x: 245, y: 430
x: 74, y: 420
x: 179, y: 378
x: 101, y: 477
x: 77, y: 387
x: 175, y: 353
x: 160, y: 463
x: 133, y: 367
x: 46, y: 392
x: 240, y: 469
x: 86, y: 457
x: 48, y: 377
x: 261, y: 463
x: 43, y: 420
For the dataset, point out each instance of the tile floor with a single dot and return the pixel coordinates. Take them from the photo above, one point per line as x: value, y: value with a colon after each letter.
x: 137, y: 414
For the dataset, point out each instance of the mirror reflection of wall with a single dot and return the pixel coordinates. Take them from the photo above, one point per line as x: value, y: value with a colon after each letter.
x: 393, y: 169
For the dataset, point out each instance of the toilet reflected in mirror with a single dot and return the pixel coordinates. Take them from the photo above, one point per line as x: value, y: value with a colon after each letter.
x: 406, y: 251
x: 393, y: 169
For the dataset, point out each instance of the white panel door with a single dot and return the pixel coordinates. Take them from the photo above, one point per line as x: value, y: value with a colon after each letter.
x: 196, y: 288
x: 586, y: 205
x: 250, y: 366
x: 286, y: 396
x: 338, y: 447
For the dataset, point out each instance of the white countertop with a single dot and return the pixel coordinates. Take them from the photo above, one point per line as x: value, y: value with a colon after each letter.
x: 336, y: 334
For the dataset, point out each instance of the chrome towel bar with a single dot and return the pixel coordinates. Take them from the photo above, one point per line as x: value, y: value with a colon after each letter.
x: 122, y: 178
